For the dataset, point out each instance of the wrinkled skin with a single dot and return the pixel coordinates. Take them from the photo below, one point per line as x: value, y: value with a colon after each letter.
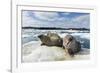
x: 51, y: 39
x: 71, y: 44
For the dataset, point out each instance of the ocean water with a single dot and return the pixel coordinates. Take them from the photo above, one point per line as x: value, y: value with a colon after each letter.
x: 29, y: 35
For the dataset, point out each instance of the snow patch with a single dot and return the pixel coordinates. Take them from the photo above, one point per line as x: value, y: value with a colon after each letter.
x: 37, y: 53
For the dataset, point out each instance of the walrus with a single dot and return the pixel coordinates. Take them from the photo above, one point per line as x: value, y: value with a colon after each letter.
x: 51, y: 39
x: 71, y: 45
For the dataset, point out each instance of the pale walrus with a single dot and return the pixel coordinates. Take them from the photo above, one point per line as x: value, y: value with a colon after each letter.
x: 51, y: 39
x: 71, y: 44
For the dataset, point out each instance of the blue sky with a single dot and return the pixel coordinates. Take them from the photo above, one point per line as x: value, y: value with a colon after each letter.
x: 55, y: 19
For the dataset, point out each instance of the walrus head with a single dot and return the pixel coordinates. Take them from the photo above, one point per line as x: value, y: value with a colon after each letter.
x: 44, y: 38
x: 71, y: 44
x: 41, y: 37
x: 67, y: 39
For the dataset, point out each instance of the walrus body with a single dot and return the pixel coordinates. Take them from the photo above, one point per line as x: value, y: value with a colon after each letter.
x: 51, y: 39
x: 71, y: 44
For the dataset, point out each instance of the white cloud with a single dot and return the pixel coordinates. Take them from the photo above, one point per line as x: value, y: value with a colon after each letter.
x: 82, y: 18
x: 52, y: 19
x: 26, y: 19
x: 29, y: 21
x: 82, y: 21
x: 49, y: 16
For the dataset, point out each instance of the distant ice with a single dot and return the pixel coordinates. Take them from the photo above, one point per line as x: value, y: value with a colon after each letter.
x: 85, y: 35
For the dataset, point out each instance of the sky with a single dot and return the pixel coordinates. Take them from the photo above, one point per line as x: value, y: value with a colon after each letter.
x: 55, y: 19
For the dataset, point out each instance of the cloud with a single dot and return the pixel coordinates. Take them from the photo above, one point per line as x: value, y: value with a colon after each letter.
x: 26, y: 19
x: 54, y: 19
x: 82, y: 21
x: 47, y: 16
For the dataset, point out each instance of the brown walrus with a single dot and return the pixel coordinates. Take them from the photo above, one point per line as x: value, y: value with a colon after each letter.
x: 51, y: 39
x: 71, y: 44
